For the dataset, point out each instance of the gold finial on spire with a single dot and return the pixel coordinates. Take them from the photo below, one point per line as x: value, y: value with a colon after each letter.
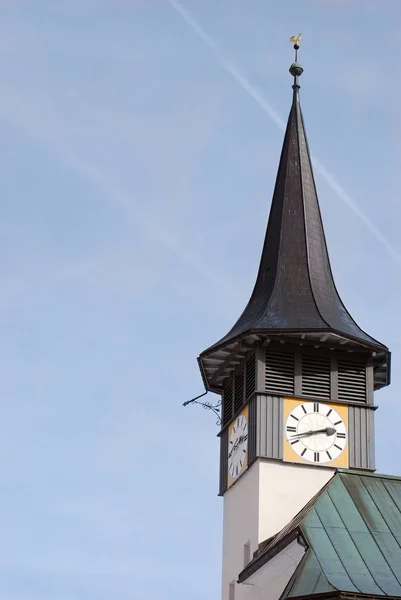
x: 296, y: 40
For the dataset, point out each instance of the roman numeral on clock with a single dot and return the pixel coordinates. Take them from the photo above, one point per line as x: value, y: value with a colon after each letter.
x: 318, y: 434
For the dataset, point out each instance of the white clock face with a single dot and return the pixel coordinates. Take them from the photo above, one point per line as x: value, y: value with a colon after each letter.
x: 316, y: 432
x: 237, y: 446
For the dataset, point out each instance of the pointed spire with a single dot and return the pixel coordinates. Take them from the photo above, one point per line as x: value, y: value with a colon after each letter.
x: 295, y: 294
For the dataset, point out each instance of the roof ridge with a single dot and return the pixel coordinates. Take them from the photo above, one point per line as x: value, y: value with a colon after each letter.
x: 362, y: 473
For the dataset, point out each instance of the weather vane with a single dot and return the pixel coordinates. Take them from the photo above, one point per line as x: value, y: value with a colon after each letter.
x: 295, y: 41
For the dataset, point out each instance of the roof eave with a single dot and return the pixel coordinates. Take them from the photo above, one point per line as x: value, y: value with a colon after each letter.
x: 211, y: 360
x: 261, y: 559
x: 255, y: 332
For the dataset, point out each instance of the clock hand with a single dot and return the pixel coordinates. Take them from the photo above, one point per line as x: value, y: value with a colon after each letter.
x: 329, y: 431
x: 304, y: 434
x: 233, y: 449
x: 238, y: 441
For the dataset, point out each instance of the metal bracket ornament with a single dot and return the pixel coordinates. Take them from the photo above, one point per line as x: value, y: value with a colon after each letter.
x: 207, y: 406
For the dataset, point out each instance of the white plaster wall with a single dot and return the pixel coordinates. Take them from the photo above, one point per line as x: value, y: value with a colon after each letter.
x: 259, y: 505
x: 240, y: 525
x: 270, y: 581
x: 284, y: 489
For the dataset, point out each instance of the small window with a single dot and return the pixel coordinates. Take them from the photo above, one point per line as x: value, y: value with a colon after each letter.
x: 231, y: 591
x: 227, y: 403
x: 351, y: 380
x: 279, y: 373
x: 238, y: 390
x: 316, y: 376
x: 247, y: 553
x: 250, y: 376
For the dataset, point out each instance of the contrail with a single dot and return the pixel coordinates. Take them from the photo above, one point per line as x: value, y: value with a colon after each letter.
x: 354, y: 206
x: 264, y: 104
x: 22, y: 116
x: 227, y: 64
x: 117, y: 195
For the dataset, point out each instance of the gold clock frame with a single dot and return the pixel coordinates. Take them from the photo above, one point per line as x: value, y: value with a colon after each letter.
x: 289, y: 454
x: 231, y: 480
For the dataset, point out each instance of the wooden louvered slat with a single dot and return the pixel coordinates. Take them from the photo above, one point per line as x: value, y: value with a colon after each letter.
x: 316, y: 376
x: 239, y: 390
x: 250, y: 377
x: 351, y: 380
x: 227, y: 404
x: 279, y: 372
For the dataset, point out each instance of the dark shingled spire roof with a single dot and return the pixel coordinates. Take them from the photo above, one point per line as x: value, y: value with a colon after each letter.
x: 294, y: 291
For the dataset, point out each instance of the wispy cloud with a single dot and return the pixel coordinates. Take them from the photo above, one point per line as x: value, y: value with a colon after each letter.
x: 17, y: 112
x: 227, y: 64
x: 256, y: 95
x: 119, y: 197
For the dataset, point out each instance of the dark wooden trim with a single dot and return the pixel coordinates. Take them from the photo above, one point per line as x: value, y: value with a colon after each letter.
x: 238, y: 350
x: 369, y: 381
x: 334, y: 378
x: 344, y: 596
x: 263, y: 558
x: 317, y: 399
x: 260, y: 365
x: 223, y: 464
x: 326, y: 595
x: 252, y: 429
x: 298, y: 372
x: 229, y: 382
x: 320, y: 350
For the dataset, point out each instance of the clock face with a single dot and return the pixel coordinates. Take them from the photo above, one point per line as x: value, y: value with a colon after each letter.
x: 316, y: 432
x: 238, y: 446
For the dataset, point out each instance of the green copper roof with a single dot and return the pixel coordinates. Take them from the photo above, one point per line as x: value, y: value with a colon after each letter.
x: 310, y: 578
x: 352, y: 530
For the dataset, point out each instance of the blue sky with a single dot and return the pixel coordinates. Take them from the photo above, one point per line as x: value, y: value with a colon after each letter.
x: 138, y: 158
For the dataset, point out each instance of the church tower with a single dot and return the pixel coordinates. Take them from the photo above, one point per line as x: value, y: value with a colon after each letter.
x: 296, y: 373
